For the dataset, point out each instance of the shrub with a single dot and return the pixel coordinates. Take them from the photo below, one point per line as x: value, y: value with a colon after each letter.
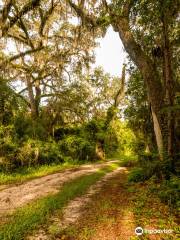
x: 145, y: 158
x: 27, y: 128
x: 169, y: 191
x: 129, y: 163
x: 50, y: 153
x: 28, y: 153
x: 35, y: 152
x: 148, y: 165
x: 136, y: 175
x: 8, y: 148
x: 77, y: 148
x: 111, y: 142
x: 139, y: 146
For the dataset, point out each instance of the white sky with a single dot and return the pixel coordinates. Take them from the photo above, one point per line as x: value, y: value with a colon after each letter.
x: 110, y: 54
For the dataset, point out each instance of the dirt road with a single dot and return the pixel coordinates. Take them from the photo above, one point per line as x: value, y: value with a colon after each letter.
x: 76, y: 208
x: 17, y: 196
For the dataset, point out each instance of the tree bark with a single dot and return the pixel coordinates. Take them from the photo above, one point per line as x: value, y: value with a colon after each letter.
x: 158, y: 133
x: 149, y: 73
x: 37, y: 96
x: 169, y: 89
x: 100, y: 150
x: 13, y: 20
x: 33, y: 105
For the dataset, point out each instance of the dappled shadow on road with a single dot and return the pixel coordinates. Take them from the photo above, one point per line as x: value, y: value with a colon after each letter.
x: 109, y: 215
x: 108, y: 211
x: 61, y: 221
x: 103, y: 213
x: 116, y: 209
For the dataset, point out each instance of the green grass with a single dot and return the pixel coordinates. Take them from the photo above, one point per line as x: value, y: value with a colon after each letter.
x: 28, y: 218
x: 126, y: 160
x: 28, y: 173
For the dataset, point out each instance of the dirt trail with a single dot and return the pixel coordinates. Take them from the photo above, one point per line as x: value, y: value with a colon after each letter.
x: 17, y: 196
x: 105, y: 212
x: 75, y: 209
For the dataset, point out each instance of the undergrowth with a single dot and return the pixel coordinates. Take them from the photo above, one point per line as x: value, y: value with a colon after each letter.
x: 146, y: 170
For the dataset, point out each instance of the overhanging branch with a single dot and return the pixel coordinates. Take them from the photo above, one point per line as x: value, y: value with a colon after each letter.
x: 22, y: 54
x: 13, y: 20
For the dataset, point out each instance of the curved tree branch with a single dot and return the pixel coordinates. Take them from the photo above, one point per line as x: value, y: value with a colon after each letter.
x: 13, y: 20
x: 22, y: 54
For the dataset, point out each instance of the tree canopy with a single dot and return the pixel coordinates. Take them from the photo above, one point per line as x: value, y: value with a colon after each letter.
x: 50, y: 88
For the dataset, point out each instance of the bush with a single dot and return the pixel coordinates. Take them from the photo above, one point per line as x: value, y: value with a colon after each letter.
x: 77, y: 148
x: 30, y: 153
x: 34, y: 152
x: 8, y: 148
x: 27, y: 128
x: 169, y: 191
x: 136, y: 175
x: 129, y: 162
x: 111, y: 142
x: 139, y: 146
x: 145, y: 170
x: 148, y: 165
x: 50, y: 153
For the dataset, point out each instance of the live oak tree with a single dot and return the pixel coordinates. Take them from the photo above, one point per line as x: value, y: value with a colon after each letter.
x: 155, y: 31
x: 129, y: 18
x: 10, y: 14
x: 49, y: 46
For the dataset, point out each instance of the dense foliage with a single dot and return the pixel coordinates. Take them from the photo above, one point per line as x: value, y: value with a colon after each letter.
x: 56, y: 107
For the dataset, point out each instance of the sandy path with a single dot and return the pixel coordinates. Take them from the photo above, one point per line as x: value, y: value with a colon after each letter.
x: 75, y: 209
x: 17, y: 196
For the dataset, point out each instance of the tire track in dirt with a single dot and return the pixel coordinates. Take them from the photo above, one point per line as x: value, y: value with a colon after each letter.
x: 75, y: 209
x: 14, y: 197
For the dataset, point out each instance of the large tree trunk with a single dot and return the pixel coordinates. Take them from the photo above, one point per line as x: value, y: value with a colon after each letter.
x: 2, y: 106
x: 149, y: 73
x: 159, y: 96
x: 158, y: 133
x: 169, y: 89
x: 33, y: 103
x: 37, y: 96
x: 100, y: 154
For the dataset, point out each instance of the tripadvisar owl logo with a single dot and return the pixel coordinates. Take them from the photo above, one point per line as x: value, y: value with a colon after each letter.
x: 139, y: 231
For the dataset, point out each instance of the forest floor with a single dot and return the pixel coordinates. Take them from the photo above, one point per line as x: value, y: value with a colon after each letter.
x: 110, y: 209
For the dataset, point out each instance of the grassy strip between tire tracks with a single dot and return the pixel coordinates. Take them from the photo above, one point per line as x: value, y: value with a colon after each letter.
x: 28, y: 218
